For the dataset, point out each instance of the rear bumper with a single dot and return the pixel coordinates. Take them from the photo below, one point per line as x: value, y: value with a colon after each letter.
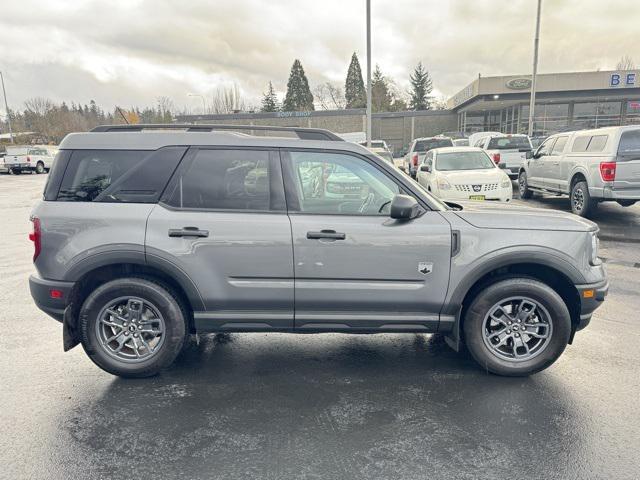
x: 609, y: 193
x: 591, y: 297
x: 41, y: 294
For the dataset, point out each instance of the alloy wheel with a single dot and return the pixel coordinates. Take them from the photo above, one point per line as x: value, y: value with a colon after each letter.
x: 577, y: 198
x: 517, y: 329
x: 130, y: 329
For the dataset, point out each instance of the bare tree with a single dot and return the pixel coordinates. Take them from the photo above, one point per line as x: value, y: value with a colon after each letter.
x: 228, y: 100
x: 329, y: 96
x: 625, y: 63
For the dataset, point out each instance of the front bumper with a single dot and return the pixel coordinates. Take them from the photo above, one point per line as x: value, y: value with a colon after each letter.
x: 591, y: 297
x: 501, y: 195
x: 41, y: 293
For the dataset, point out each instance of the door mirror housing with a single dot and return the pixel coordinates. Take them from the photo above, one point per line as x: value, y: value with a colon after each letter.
x: 404, y: 207
x: 425, y: 168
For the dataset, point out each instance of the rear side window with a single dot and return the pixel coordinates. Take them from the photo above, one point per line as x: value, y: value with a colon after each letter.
x: 580, y: 144
x: 629, y: 142
x: 597, y: 143
x: 131, y: 176
x: 225, y: 180
x: 558, y: 148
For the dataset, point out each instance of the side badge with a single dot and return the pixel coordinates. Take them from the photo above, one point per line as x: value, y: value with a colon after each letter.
x: 425, y: 268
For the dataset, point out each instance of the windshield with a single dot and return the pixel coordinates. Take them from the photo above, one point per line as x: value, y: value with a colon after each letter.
x: 461, y: 142
x: 426, y: 145
x: 507, y: 143
x: 463, y: 161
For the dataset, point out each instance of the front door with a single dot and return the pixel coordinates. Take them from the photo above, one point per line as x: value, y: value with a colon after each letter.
x: 540, y: 165
x: 355, y: 267
x: 222, y: 221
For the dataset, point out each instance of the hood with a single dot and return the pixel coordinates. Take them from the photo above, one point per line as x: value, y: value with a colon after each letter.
x: 473, y: 176
x: 516, y: 217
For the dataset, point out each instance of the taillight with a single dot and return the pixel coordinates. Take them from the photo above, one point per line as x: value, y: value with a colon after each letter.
x: 495, y: 157
x: 414, y: 159
x: 35, y: 236
x: 608, y: 171
x: 28, y: 159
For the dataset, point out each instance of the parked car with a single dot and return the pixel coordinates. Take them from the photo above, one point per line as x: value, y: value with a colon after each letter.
x: 591, y: 166
x: 377, y: 144
x: 463, y: 173
x: 419, y: 148
x: 142, y: 239
x: 460, y: 142
x: 32, y: 158
x: 384, y: 153
x: 3, y: 167
x: 509, y: 151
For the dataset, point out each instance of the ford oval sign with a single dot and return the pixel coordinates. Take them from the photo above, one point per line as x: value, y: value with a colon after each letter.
x: 519, y: 83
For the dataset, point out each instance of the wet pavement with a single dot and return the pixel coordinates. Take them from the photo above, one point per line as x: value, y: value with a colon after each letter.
x: 313, y: 406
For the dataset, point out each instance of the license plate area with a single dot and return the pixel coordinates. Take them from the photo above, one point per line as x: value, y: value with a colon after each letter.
x: 476, y: 197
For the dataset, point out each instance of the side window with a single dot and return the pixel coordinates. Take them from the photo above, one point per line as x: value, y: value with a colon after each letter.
x: 340, y: 184
x: 428, y: 158
x: 224, y: 180
x: 559, y: 146
x: 580, y: 144
x: 547, y: 147
x: 597, y: 143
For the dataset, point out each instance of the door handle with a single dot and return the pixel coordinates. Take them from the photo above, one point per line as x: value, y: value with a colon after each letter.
x: 188, y: 232
x: 328, y: 234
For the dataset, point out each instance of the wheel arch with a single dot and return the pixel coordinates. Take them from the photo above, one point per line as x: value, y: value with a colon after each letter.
x: 552, y: 272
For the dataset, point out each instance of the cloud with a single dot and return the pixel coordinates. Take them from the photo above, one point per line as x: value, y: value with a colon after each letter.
x: 130, y: 52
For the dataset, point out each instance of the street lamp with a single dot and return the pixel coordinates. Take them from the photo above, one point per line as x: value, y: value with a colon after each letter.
x: 6, y: 107
x: 369, y: 73
x: 532, y: 103
x: 204, y: 103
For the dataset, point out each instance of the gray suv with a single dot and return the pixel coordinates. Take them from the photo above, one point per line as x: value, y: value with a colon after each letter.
x: 149, y: 234
x: 591, y: 166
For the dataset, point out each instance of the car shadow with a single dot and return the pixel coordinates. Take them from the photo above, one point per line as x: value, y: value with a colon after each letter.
x: 328, y: 406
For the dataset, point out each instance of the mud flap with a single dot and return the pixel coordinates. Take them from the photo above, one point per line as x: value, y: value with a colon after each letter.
x: 69, y: 335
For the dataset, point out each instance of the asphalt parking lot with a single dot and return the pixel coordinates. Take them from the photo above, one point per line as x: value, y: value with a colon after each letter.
x: 318, y: 406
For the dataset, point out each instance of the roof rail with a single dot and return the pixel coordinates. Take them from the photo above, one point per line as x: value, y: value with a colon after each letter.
x: 302, y: 133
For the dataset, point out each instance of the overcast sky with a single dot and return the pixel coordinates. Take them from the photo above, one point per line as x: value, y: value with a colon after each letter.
x: 130, y: 52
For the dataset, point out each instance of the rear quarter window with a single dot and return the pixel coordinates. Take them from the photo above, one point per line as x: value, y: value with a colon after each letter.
x: 129, y: 176
x: 597, y: 143
x: 629, y: 142
x: 580, y: 144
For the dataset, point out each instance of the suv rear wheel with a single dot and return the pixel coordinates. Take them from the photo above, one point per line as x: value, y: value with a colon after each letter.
x: 517, y: 327
x: 581, y: 202
x: 523, y: 186
x: 132, y: 327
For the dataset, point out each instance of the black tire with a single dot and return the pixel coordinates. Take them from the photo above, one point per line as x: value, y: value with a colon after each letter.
x: 474, y: 326
x: 581, y: 202
x: 523, y: 186
x: 161, y: 297
x: 15, y: 171
x: 39, y: 168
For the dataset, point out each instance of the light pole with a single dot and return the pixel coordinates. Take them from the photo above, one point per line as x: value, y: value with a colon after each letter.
x: 6, y: 107
x: 369, y: 73
x: 532, y: 103
x: 204, y: 103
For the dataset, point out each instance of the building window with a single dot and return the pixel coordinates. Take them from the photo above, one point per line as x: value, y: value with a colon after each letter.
x: 596, y: 114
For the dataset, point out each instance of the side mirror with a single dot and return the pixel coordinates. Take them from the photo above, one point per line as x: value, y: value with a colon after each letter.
x: 425, y: 168
x: 404, y: 207
x: 536, y: 154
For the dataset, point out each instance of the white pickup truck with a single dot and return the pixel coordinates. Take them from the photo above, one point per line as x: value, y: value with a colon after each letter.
x: 509, y: 152
x: 30, y: 158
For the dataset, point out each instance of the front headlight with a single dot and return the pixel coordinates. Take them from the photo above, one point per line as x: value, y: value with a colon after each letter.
x: 594, y: 248
x: 443, y: 184
x: 506, y: 182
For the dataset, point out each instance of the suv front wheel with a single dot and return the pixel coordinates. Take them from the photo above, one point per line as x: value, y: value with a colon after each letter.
x: 517, y: 327
x: 132, y: 327
x: 523, y: 186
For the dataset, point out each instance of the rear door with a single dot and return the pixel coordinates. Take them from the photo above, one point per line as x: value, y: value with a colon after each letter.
x: 222, y: 221
x: 356, y: 268
x: 627, y: 180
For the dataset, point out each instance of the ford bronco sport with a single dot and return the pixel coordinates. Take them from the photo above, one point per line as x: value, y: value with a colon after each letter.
x: 148, y: 234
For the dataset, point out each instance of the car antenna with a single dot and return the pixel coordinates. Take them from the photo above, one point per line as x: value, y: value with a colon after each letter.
x: 122, y: 115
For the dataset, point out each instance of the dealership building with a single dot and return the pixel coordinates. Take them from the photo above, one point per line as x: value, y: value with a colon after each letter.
x: 564, y: 101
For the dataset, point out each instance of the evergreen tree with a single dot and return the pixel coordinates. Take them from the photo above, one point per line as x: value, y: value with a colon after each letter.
x: 381, y: 97
x: 354, y: 91
x: 421, y: 87
x: 298, y: 97
x: 269, y: 100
